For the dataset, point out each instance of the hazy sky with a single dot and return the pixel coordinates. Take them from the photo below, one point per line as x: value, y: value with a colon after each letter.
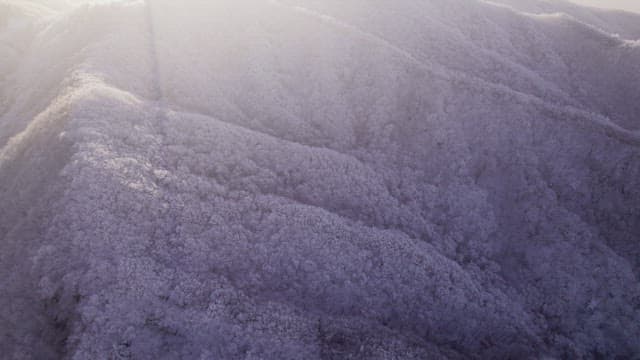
x: 631, y: 5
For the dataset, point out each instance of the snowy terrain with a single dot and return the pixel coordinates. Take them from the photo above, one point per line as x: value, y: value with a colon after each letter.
x: 307, y: 179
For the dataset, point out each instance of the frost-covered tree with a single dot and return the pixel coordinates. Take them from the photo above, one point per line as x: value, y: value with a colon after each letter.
x: 296, y: 179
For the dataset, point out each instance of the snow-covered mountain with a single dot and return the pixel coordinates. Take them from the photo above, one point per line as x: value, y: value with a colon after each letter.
x: 305, y: 179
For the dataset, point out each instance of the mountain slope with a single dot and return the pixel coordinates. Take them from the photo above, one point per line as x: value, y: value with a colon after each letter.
x: 300, y: 179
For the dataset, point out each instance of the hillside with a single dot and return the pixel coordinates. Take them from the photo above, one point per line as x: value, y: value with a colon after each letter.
x: 301, y: 179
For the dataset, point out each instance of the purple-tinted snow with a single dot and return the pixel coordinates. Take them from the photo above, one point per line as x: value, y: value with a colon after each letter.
x: 300, y: 179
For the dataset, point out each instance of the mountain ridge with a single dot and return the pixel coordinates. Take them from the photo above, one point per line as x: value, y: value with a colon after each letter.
x: 256, y: 185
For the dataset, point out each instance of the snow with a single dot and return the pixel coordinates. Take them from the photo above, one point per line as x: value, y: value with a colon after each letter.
x: 295, y: 179
x: 627, y: 5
